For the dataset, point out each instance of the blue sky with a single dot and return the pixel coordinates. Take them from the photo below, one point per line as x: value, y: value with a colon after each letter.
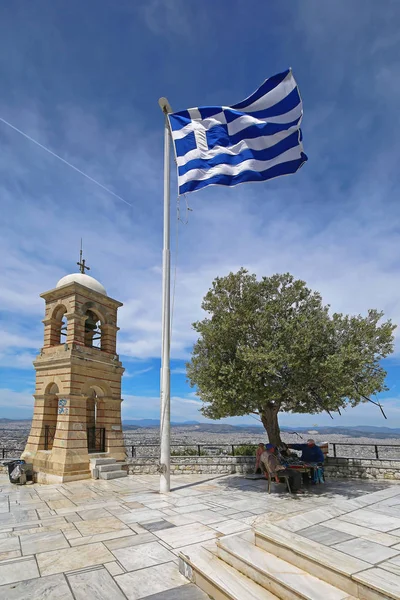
x: 84, y: 78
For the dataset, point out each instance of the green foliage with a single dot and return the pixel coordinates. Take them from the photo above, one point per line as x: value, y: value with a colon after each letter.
x: 245, y: 450
x: 271, y: 345
x: 187, y: 452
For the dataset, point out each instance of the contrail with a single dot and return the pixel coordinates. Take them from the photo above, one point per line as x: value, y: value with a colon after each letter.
x: 64, y: 161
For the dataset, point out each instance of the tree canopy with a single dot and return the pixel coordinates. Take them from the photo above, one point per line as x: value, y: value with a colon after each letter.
x: 271, y: 345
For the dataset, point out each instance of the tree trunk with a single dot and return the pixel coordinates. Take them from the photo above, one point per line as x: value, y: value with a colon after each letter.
x: 269, y: 418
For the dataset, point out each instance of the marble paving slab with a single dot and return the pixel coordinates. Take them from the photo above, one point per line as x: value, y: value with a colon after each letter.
x: 392, y: 565
x: 104, y: 525
x: 366, y: 550
x: 42, y: 542
x: 114, y: 568
x: 380, y: 580
x: 97, y: 584
x: 132, y: 540
x: 18, y: 570
x: 157, y: 525
x: 190, y: 508
x: 72, y: 559
x: 154, y: 580
x: 42, y: 588
x: 386, y: 539
x: 93, y: 513
x: 142, y: 556
x: 186, y: 534
x: 101, y: 537
x: 184, y: 592
x: 141, y: 515
x: 324, y: 535
x: 230, y: 526
x: 10, y: 543
x: 372, y: 520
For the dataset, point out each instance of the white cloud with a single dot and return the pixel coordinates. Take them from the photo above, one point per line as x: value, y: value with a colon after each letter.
x: 335, y: 224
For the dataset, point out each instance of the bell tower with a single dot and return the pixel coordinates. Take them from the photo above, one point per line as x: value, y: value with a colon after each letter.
x: 77, y: 411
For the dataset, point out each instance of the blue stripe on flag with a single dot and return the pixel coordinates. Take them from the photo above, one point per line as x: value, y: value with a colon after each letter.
x: 186, y: 144
x: 209, y: 111
x: 234, y: 159
x: 250, y: 133
x: 280, y: 108
x: 285, y: 168
x: 179, y: 120
x: 267, y: 86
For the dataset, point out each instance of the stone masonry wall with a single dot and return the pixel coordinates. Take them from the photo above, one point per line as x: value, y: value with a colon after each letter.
x: 222, y: 465
x: 362, y: 468
x: 335, y: 468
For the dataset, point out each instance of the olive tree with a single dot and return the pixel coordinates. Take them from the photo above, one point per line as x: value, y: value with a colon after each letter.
x: 271, y: 345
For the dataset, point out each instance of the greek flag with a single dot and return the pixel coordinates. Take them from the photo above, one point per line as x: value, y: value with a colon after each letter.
x: 255, y: 140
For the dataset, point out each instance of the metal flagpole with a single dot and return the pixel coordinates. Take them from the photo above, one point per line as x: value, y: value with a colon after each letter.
x: 165, y: 385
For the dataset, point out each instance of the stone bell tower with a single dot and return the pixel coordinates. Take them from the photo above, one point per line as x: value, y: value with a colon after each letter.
x: 77, y: 410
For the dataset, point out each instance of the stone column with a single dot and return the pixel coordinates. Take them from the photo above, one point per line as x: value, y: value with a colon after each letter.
x: 69, y: 458
x: 36, y: 436
x: 76, y: 329
x: 109, y: 338
x: 52, y: 332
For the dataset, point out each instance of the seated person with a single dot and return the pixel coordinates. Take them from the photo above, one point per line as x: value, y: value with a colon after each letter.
x: 260, y: 450
x: 283, y: 452
x: 275, y: 468
x: 310, y: 452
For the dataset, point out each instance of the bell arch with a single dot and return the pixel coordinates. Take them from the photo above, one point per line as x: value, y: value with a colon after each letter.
x: 58, y: 325
x: 50, y: 414
x: 93, y: 323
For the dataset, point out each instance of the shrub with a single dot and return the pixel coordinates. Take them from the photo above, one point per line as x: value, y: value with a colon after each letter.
x: 245, y: 450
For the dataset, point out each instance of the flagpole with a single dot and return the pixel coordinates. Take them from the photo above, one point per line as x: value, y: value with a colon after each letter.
x: 165, y: 383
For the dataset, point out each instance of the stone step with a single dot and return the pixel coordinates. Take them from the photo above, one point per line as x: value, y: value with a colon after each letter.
x: 352, y: 575
x: 113, y: 474
x: 110, y: 467
x: 95, y: 462
x: 274, y: 574
x: 218, y: 579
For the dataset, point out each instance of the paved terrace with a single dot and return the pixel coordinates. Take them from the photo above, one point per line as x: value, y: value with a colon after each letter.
x: 120, y: 539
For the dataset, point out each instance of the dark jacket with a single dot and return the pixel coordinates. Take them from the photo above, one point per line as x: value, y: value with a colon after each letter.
x: 310, y: 454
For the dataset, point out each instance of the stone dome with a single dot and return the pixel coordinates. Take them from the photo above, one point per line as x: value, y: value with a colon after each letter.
x: 83, y: 279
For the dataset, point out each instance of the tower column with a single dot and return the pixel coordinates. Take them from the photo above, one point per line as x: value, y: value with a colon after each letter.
x: 76, y: 329
x: 69, y: 457
x: 109, y: 338
x: 36, y: 436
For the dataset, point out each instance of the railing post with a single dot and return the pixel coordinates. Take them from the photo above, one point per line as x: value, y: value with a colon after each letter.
x: 334, y: 450
x: 376, y: 451
x: 4, y: 453
x: 199, y: 449
x: 233, y: 450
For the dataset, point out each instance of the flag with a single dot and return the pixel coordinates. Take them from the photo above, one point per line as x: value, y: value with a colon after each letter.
x: 254, y: 140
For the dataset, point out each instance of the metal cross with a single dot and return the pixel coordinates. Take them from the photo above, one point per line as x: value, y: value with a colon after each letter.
x: 81, y: 264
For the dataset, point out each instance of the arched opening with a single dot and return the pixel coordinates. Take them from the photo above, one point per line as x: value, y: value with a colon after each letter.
x: 59, y: 326
x: 50, y: 414
x: 95, y: 433
x: 92, y: 330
